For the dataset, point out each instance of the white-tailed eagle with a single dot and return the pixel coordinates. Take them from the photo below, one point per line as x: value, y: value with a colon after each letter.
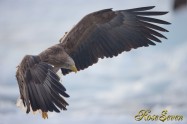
x: 105, y: 33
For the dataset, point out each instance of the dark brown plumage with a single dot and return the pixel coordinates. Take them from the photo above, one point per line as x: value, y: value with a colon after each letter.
x: 39, y: 86
x: 104, y: 33
x: 107, y: 33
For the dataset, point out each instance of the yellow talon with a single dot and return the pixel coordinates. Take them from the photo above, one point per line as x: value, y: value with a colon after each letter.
x: 44, y: 115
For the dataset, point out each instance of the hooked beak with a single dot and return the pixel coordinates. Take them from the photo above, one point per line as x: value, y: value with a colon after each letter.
x: 73, y: 68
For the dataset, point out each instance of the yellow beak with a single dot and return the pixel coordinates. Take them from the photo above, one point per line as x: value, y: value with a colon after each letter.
x: 74, y: 69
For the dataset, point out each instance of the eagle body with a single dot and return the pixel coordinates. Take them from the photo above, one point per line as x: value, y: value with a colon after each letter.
x: 105, y: 33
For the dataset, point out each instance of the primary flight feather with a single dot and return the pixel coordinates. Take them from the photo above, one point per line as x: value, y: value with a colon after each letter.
x: 104, y: 33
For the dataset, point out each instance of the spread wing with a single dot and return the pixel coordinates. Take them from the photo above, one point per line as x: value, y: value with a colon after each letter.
x: 39, y: 86
x: 107, y: 33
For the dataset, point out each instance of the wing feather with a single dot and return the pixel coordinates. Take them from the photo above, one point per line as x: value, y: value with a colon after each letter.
x: 107, y: 33
x: 141, y: 9
x: 39, y: 86
x: 152, y: 26
x: 148, y: 19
